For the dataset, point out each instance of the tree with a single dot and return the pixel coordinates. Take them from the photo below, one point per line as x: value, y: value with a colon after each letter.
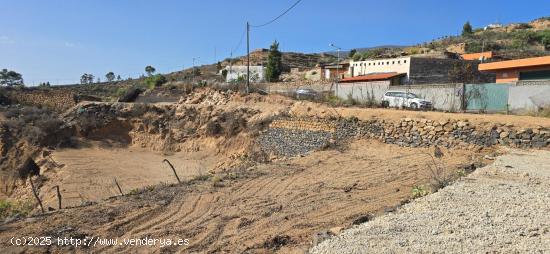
x: 274, y: 63
x: 110, y: 76
x: 463, y: 73
x: 196, y: 71
x: 10, y: 78
x: 352, y: 53
x: 219, y: 66
x: 86, y: 79
x: 118, y: 78
x: 155, y: 81
x: 150, y: 70
x: 467, y: 29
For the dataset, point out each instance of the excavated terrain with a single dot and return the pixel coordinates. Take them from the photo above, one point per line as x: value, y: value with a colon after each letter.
x: 280, y: 207
x: 248, y: 183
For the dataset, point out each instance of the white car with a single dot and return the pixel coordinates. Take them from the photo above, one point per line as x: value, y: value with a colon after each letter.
x: 405, y: 100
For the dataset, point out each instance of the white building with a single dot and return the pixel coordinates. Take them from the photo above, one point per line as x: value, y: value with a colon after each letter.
x: 493, y: 26
x: 257, y: 73
x: 398, y: 65
x: 414, y: 70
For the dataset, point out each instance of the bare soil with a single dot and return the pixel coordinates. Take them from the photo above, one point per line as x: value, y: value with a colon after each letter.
x: 88, y: 174
x: 278, y: 207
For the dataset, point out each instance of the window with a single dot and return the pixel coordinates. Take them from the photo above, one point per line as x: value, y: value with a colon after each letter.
x: 404, y: 61
x: 388, y: 62
x: 398, y: 62
x: 393, y: 62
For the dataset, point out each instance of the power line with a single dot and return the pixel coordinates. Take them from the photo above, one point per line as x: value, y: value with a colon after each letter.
x: 278, y: 17
x: 240, y: 43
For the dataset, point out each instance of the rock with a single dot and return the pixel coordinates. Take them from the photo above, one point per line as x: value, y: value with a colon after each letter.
x: 504, y: 134
x: 335, y: 230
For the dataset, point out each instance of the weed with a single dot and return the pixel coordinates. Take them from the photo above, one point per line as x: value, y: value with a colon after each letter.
x: 213, y: 128
x: 419, y: 191
x: 439, y: 178
x: 217, y: 181
x: 19, y: 208
x: 542, y: 112
x: 201, y: 178
x: 461, y: 173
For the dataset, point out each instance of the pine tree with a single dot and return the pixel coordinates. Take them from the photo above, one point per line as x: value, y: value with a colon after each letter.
x: 274, y: 63
x: 467, y: 29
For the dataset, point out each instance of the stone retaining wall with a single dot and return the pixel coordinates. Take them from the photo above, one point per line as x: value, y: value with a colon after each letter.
x: 305, y: 125
x: 54, y: 99
x: 291, y: 137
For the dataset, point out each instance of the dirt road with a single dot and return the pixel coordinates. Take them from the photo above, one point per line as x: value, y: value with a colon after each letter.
x: 277, y: 207
x: 501, y: 208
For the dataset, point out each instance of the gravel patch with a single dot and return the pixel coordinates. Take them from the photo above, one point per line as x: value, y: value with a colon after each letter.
x: 501, y: 208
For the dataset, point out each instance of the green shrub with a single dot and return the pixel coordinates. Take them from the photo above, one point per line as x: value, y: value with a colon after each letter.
x: 333, y: 100
x: 217, y: 181
x: 155, y: 81
x: 10, y: 208
x: 419, y: 191
x: 351, y: 100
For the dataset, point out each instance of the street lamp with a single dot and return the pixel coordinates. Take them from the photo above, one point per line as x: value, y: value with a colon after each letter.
x: 337, y: 64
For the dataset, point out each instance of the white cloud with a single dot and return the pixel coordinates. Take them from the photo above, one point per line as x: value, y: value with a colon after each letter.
x: 69, y: 44
x: 6, y: 40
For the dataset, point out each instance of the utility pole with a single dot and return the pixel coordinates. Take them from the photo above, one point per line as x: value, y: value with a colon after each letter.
x: 337, y: 64
x: 247, y: 57
x: 482, y: 50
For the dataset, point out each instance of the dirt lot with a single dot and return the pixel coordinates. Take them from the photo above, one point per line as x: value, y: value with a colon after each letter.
x: 501, y: 208
x: 277, y: 207
x: 87, y: 173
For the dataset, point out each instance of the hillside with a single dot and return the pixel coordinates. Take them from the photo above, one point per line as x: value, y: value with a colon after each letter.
x: 512, y: 41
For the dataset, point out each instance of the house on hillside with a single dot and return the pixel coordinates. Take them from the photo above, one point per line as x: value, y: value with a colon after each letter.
x: 483, y: 56
x: 527, y: 69
x: 416, y: 70
x: 334, y: 71
x: 235, y: 73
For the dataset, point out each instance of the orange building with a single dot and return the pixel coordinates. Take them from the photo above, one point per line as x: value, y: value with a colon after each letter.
x: 478, y: 56
x: 537, y: 68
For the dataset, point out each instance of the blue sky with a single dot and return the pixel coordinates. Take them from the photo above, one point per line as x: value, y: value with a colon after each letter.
x: 57, y: 41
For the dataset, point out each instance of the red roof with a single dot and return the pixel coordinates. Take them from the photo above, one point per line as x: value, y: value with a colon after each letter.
x: 372, y: 77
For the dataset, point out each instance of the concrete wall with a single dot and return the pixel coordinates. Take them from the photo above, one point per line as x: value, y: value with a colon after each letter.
x: 529, y: 96
x: 290, y: 87
x: 447, y: 97
x: 363, y: 91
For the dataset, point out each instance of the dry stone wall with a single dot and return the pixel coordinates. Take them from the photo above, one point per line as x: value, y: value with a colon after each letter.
x: 55, y: 99
x: 291, y: 137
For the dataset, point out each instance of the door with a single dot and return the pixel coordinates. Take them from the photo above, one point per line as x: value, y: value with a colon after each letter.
x: 486, y: 97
